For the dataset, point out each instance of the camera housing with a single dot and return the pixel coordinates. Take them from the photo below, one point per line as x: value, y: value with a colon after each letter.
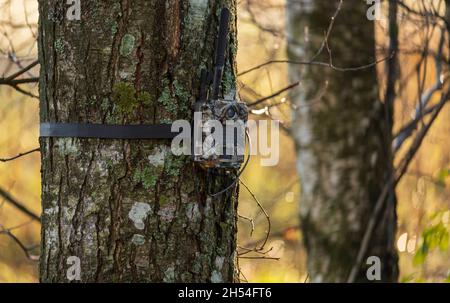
x: 232, y: 115
x: 228, y: 113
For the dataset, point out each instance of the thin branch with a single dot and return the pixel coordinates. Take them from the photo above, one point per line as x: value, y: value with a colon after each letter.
x: 19, y: 205
x: 276, y: 234
x: 329, y: 30
x: 392, y: 183
x: 14, y: 82
x: 422, y: 14
x: 251, y: 221
x: 265, y: 214
x: 22, y: 71
x: 262, y: 258
x: 424, y: 100
x: 289, y: 87
x: 17, y: 88
x: 307, y: 278
x: 252, y: 250
x: 25, y: 249
x: 409, y: 128
x: 19, y: 155
x: 318, y: 63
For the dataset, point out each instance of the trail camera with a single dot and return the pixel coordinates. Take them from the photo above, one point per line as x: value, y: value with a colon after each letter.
x: 225, y: 116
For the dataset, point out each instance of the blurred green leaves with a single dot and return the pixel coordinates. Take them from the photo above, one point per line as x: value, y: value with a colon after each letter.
x: 447, y: 280
x: 436, y: 236
x: 442, y: 176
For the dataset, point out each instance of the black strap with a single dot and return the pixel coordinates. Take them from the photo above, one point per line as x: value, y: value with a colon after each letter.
x: 105, y: 131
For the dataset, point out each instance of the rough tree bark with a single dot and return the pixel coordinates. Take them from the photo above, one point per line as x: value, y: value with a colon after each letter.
x: 342, y: 133
x: 130, y: 210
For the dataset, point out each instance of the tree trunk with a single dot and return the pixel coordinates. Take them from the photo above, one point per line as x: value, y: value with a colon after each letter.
x: 342, y: 134
x: 130, y: 210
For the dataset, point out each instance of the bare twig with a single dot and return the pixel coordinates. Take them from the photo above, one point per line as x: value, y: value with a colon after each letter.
x: 318, y: 63
x: 22, y: 71
x: 307, y: 278
x: 392, y: 182
x: 264, y: 212
x: 287, y: 88
x: 19, y: 205
x: 276, y: 234
x: 421, y: 109
x: 14, y: 82
x: 248, y: 250
x: 261, y: 258
x: 25, y: 249
x: 20, y: 155
x: 250, y: 220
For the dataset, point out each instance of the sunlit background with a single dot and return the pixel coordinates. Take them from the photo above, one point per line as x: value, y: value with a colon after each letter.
x: 423, y: 195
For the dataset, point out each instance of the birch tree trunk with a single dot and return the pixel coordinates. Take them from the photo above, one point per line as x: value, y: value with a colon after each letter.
x: 130, y: 210
x: 342, y: 133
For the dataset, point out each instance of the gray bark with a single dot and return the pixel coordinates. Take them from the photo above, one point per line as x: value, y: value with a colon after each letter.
x: 342, y: 141
x: 130, y: 210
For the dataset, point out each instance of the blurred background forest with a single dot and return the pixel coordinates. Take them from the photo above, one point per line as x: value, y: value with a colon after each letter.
x: 423, y: 194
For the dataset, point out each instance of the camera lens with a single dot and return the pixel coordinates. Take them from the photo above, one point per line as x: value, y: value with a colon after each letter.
x: 230, y: 113
x: 242, y: 112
